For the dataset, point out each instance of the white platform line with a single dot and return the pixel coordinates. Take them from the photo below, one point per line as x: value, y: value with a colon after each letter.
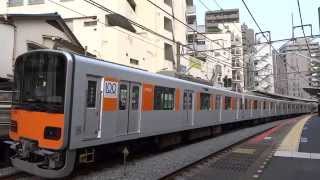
x: 293, y: 154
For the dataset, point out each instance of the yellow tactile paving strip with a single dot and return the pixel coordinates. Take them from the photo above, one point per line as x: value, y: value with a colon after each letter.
x: 292, y: 140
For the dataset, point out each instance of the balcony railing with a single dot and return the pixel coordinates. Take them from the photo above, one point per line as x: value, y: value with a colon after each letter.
x: 191, y: 10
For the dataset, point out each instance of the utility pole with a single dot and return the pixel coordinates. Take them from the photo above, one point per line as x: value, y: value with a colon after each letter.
x: 178, y: 57
x: 319, y: 17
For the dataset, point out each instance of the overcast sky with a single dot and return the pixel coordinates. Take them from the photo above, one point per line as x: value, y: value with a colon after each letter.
x: 272, y: 15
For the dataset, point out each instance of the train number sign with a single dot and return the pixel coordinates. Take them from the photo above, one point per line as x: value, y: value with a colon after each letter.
x: 111, y: 89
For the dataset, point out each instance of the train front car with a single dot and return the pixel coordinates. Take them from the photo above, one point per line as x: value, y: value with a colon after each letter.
x: 40, y: 114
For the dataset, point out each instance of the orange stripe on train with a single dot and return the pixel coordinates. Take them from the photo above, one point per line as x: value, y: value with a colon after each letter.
x: 31, y: 126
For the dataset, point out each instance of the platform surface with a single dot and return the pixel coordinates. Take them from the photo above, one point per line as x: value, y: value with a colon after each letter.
x: 303, y: 164
x: 289, y: 151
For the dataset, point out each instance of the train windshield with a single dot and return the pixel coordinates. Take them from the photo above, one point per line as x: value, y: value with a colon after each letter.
x: 40, y: 80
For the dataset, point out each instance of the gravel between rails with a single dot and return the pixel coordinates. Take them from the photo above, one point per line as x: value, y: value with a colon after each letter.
x: 163, y: 164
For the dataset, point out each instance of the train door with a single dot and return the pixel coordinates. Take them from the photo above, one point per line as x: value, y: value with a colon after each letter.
x: 129, y: 108
x: 188, y: 107
x: 134, y: 108
x: 92, y: 122
x: 123, y: 114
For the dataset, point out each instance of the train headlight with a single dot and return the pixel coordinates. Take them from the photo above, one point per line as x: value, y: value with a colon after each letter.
x: 52, y: 133
x: 13, y: 126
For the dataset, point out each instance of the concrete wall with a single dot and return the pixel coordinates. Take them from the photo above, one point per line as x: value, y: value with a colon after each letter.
x: 7, y: 50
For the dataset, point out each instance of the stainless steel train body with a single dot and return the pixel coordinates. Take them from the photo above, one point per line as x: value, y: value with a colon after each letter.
x: 93, y: 102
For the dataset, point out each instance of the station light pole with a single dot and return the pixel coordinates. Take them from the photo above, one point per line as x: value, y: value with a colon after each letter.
x: 319, y: 17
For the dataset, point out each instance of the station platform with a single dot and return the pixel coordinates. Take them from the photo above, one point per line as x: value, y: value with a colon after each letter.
x: 288, y: 151
x: 301, y: 159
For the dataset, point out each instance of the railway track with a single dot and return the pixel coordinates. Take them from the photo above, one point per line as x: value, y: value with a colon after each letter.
x: 243, y: 160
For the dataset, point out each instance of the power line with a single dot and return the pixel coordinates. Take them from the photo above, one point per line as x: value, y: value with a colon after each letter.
x: 83, y: 15
x: 186, y: 25
x: 216, y: 2
x: 212, y: 59
x: 145, y: 28
x: 255, y: 21
x: 302, y: 26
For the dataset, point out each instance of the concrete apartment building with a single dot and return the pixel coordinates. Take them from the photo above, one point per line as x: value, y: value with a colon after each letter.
x: 248, y: 40
x: 215, y: 64
x: 294, y: 71
x: 228, y: 22
x: 217, y: 48
x: 19, y: 35
x: 263, y: 64
x: 112, y: 37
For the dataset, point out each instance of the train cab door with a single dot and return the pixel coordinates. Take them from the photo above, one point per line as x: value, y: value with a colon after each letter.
x: 134, y: 108
x: 92, y: 122
x: 188, y: 107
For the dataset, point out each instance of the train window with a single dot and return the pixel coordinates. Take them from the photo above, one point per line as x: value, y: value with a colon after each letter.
x: 264, y: 105
x: 241, y: 104
x: 135, y: 98
x: 205, y: 101
x: 255, y: 104
x: 218, y: 102
x: 91, y: 94
x: 185, y: 101
x: 123, y: 96
x: 227, y: 103
x: 246, y: 104
x: 163, y: 98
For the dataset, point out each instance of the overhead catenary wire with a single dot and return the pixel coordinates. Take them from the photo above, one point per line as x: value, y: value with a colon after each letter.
x: 302, y: 26
x: 145, y: 28
x: 117, y: 29
x: 186, y: 25
x: 211, y: 59
x: 263, y: 34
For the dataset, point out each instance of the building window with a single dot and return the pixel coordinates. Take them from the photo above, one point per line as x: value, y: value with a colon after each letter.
x: 167, y: 24
x: 227, y: 103
x: 33, y: 2
x: 163, y: 98
x: 205, y: 101
x: 14, y: 3
x: 134, y: 61
x: 200, y: 42
x: 190, y: 38
x: 168, y: 2
x: 132, y: 4
x: 168, y: 52
x: 90, y: 23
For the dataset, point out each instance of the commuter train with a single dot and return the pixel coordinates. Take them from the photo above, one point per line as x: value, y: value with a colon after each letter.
x: 67, y: 103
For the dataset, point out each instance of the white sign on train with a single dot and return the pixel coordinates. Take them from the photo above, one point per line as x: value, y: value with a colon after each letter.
x: 110, y: 89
